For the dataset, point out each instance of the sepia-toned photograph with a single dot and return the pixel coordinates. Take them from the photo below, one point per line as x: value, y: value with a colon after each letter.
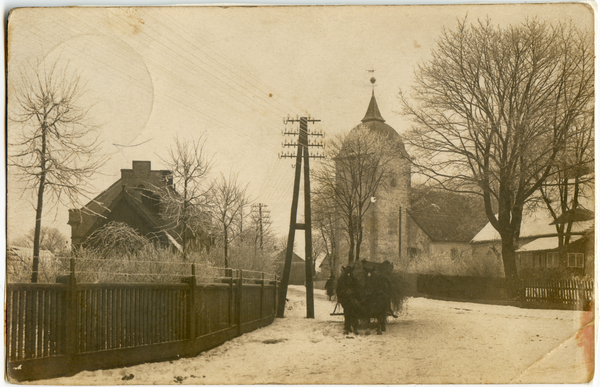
x: 353, y: 194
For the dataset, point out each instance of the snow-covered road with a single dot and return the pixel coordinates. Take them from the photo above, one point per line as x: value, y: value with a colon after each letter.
x: 431, y: 342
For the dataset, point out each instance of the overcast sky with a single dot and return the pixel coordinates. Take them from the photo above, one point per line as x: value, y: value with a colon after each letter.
x: 233, y: 74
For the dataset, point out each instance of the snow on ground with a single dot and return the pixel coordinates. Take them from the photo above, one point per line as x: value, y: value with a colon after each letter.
x: 431, y: 342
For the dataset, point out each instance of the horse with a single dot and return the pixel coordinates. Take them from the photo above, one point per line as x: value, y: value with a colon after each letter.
x: 349, y: 295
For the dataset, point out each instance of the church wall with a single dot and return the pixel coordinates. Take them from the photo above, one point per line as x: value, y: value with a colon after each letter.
x: 387, y: 220
x: 419, y: 242
x: 456, y: 249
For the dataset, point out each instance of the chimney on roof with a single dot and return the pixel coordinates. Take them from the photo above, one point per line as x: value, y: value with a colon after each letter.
x: 141, y: 167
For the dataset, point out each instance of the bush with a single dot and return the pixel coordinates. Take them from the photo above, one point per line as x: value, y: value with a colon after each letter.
x: 463, y: 265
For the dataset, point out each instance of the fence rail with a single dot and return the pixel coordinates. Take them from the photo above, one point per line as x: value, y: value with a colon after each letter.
x: 60, y: 329
x: 566, y: 292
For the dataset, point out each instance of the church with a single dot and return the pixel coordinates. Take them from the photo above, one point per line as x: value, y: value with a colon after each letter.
x: 404, y: 223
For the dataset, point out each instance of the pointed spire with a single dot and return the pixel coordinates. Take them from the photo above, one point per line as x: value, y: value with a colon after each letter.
x: 373, y: 113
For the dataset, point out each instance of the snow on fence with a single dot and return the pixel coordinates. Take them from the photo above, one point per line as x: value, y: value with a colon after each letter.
x: 566, y: 292
x: 60, y: 329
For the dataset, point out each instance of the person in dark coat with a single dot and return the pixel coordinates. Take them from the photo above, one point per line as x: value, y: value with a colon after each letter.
x: 330, y: 287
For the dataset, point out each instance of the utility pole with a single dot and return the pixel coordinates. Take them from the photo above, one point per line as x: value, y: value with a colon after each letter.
x: 262, y: 217
x: 302, y: 154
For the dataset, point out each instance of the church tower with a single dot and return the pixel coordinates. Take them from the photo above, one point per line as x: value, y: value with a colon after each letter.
x: 385, y: 225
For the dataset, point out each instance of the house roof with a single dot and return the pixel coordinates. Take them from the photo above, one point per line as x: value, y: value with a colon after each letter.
x: 542, y: 244
x: 447, y: 216
x: 281, y: 257
x: 319, y: 260
x: 535, y: 224
x: 134, y: 197
x: 576, y: 215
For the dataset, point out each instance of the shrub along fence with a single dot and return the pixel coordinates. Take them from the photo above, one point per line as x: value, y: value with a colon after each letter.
x: 60, y: 329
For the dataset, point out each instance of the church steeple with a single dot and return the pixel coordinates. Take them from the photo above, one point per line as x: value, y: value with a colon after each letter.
x: 373, y: 113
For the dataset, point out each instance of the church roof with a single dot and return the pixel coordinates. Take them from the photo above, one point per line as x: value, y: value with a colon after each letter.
x: 373, y: 113
x: 447, y: 216
x: 374, y: 122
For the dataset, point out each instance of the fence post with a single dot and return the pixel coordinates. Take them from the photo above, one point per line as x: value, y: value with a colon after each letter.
x: 191, y: 307
x: 275, y: 295
x: 238, y: 303
x: 262, y: 294
x: 71, y: 327
x: 229, y: 275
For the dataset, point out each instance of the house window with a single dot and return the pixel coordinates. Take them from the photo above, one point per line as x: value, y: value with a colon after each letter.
x: 539, y: 260
x: 552, y: 260
x: 412, y: 252
x: 525, y: 259
x: 575, y: 260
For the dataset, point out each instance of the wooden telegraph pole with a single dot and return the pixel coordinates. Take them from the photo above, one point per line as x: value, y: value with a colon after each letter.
x: 302, y: 153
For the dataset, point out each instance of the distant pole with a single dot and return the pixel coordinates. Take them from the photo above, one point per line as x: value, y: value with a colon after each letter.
x: 261, y: 215
x: 260, y: 206
x: 302, y: 153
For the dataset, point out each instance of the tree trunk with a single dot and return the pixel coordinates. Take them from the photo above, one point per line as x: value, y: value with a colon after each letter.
x: 359, y: 239
x: 225, y: 252
x: 351, y: 239
x: 510, y: 263
x: 38, y: 230
x: 38, y: 210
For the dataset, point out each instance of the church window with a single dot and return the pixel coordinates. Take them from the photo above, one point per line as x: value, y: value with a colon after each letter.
x: 394, y: 181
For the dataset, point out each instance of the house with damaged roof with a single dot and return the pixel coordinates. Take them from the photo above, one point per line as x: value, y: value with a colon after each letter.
x: 132, y: 200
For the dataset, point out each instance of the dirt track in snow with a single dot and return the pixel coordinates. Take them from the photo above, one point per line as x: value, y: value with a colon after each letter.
x: 431, y: 342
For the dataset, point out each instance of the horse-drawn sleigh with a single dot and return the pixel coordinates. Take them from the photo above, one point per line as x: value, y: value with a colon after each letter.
x: 368, y: 290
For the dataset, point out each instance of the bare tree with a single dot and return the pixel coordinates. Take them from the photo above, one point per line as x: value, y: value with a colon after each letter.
x: 360, y: 164
x: 227, y: 200
x: 185, y: 203
x: 325, y: 219
x: 56, y: 151
x: 571, y: 180
x: 51, y: 239
x: 494, y: 107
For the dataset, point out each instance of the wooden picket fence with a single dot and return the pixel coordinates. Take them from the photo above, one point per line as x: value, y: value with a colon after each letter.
x: 60, y: 329
x: 568, y: 293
